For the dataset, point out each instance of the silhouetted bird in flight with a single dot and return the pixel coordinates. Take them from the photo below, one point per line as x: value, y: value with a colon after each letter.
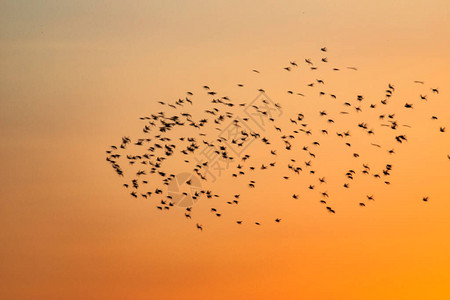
x: 280, y: 144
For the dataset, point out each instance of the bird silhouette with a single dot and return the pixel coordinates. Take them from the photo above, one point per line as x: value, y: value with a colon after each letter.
x: 245, y: 142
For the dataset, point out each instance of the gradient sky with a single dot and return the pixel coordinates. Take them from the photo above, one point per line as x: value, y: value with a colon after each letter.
x: 76, y: 75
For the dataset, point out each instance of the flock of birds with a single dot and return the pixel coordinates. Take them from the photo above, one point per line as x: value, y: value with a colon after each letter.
x: 151, y: 175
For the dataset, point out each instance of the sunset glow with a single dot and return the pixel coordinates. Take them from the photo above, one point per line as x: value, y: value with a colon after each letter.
x: 77, y: 76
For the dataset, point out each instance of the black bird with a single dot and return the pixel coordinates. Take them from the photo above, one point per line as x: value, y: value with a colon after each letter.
x: 222, y: 113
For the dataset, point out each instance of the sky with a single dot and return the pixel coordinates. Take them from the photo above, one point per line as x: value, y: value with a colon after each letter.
x: 75, y: 76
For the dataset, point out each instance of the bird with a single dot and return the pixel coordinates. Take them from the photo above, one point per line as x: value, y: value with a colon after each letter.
x: 218, y: 133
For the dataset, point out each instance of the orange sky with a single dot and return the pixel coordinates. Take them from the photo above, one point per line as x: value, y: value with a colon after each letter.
x: 75, y: 76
